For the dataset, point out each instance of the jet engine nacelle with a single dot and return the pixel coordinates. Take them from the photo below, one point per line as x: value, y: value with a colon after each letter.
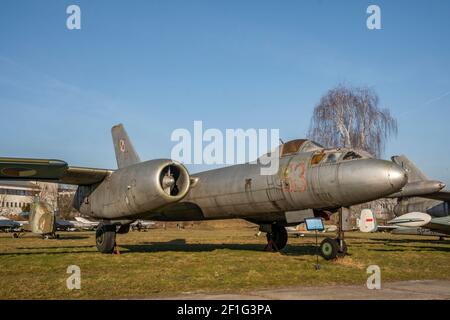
x: 135, y: 189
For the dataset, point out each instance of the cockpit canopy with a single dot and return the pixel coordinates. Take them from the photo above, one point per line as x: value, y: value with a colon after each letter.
x: 320, y: 153
x: 298, y: 146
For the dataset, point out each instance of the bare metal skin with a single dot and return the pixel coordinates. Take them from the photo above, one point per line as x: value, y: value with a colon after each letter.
x: 240, y: 192
x: 310, y: 181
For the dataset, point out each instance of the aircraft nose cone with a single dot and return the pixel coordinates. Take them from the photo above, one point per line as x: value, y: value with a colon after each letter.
x: 366, y: 180
x: 397, y: 176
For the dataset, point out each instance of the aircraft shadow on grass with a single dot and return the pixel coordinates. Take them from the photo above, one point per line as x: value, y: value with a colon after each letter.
x: 180, y: 245
x: 18, y: 253
x: 176, y: 245
x: 400, y: 248
x: 424, y: 241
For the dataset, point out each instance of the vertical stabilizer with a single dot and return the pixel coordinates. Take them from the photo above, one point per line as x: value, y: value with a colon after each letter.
x: 367, y: 221
x: 125, y: 153
x: 42, y: 218
x: 414, y: 173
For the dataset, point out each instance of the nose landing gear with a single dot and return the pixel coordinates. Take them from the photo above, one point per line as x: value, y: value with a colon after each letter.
x: 332, y: 248
x: 335, y: 248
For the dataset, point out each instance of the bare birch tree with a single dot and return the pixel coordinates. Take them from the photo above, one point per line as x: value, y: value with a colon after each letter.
x: 350, y: 117
x: 65, y: 209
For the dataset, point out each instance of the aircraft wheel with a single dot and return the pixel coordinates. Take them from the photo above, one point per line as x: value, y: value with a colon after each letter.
x: 105, y: 238
x: 329, y: 249
x: 125, y: 228
x: 15, y: 235
x: 278, y: 235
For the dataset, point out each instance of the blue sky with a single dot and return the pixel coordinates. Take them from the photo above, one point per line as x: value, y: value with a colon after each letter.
x: 159, y: 65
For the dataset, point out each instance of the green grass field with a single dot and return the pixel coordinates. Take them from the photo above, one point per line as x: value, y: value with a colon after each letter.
x: 204, y: 259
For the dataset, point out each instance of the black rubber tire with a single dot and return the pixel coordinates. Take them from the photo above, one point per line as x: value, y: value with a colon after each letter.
x: 329, y: 248
x: 342, y: 253
x: 105, y: 238
x: 125, y: 228
x: 279, y: 236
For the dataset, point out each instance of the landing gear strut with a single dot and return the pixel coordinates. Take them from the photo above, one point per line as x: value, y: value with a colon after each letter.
x: 335, y: 248
x: 277, y: 238
x: 52, y: 235
x: 105, y: 238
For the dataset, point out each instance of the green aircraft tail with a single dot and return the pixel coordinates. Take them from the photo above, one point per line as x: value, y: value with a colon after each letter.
x: 42, y: 218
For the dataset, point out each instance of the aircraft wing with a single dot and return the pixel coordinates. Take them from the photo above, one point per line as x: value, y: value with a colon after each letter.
x: 440, y: 195
x: 49, y: 170
x: 441, y: 224
x: 386, y: 228
x: 399, y: 220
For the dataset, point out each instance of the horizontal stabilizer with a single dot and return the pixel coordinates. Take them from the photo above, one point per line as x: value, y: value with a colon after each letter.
x: 414, y: 173
x: 418, y: 184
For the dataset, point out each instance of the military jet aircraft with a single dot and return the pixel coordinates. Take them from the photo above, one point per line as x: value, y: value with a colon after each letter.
x: 72, y: 225
x: 8, y: 225
x: 142, y: 225
x: 87, y: 224
x: 311, y: 181
x: 413, y: 223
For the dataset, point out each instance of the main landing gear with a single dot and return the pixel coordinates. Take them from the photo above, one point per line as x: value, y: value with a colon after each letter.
x: 105, y: 238
x: 52, y: 235
x: 335, y: 248
x: 277, y: 238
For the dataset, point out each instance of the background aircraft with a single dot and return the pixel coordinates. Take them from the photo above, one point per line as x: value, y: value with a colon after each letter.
x: 422, y: 206
x: 414, y: 223
x: 77, y: 224
x: 310, y: 181
x: 87, y: 224
x: 142, y: 225
x: 8, y: 225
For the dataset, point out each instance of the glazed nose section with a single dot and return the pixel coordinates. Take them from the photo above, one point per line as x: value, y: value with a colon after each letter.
x: 397, y: 176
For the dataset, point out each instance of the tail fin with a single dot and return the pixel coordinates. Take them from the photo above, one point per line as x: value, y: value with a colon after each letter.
x: 367, y: 221
x: 42, y: 218
x: 414, y: 173
x: 125, y: 153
